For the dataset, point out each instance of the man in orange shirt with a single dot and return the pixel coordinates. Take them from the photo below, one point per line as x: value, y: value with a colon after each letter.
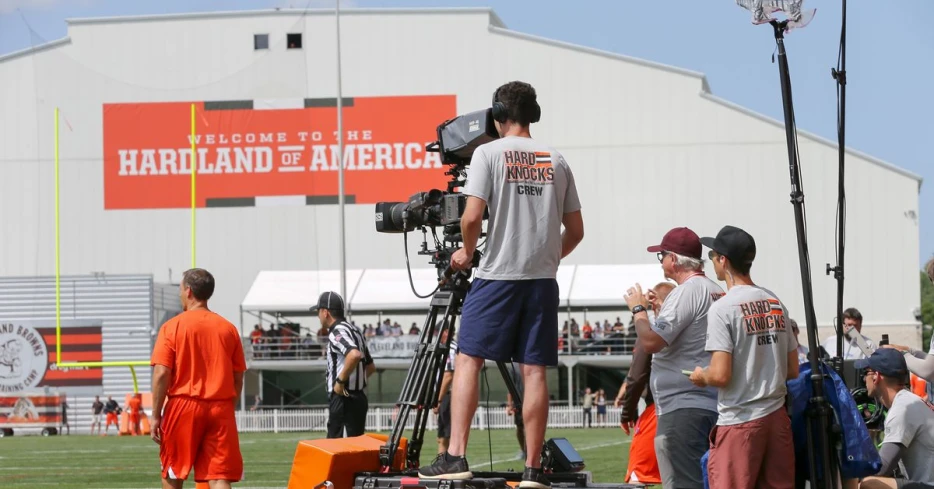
x: 198, y: 374
x: 134, y: 407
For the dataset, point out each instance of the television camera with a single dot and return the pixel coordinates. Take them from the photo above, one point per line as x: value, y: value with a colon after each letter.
x: 457, y: 139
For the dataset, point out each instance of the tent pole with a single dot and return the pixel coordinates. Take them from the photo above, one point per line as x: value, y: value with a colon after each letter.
x: 340, y: 145
x: 570, y: 385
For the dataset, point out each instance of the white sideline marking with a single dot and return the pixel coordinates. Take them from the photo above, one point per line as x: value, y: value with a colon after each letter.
x: 127, y: 447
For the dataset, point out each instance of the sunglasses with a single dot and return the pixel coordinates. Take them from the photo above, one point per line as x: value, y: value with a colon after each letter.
x: 661, y: 255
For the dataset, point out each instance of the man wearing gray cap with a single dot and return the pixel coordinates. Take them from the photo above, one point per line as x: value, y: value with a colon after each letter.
x: 349, y: 364
x: 909, y: 424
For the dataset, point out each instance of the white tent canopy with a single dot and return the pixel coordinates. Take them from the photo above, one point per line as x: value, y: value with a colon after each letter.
x: 388, y: 290
x: 293, y: 291
x: 606, y: 285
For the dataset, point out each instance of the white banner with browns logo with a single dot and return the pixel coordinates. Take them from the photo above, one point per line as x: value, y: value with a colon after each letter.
x: 392, y: 346
x: 28, y: 360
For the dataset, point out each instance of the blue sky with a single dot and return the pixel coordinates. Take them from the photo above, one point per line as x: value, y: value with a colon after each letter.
x: 890, y: 107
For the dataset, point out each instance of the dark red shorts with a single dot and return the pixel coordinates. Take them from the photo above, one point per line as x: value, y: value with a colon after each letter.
x: 755, y: 454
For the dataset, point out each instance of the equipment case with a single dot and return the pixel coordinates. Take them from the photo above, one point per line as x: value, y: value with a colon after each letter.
x: 399, y: 481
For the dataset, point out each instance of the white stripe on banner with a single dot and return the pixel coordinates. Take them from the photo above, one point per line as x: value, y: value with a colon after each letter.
x: 276, y: 103
x: 283, y: 200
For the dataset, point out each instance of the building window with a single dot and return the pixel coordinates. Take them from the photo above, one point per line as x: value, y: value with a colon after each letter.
x: 260, y: 41
x: 294, y: 41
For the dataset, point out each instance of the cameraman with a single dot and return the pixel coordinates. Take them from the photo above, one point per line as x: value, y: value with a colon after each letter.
x: 511, y: 311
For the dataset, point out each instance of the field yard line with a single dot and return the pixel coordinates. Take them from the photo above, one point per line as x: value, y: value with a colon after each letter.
x: 99, y: 450
x: 589, y: 447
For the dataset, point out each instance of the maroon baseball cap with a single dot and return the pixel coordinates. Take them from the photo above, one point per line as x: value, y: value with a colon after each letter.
x: 682, y: 241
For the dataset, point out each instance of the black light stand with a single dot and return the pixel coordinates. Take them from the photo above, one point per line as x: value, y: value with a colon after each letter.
x: 819, y: 410
x: 839, y: 74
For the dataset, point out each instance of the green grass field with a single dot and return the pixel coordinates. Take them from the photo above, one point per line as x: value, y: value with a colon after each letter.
x: 133, y: 462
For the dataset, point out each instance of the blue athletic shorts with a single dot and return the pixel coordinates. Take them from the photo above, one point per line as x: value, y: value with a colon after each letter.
x: 511, y: 320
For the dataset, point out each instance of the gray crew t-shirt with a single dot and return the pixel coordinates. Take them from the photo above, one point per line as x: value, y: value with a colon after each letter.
x: 682, y: 323
x: 528, y: 188
x: 910, y: 422
x: 750, y: 323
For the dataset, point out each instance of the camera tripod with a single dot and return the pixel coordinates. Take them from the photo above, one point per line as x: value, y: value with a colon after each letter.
x: 420, y: 389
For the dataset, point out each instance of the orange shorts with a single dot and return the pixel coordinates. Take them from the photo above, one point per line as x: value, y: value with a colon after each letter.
x: 643, y: 465
x: 112, y: 419
x: 200, y: 435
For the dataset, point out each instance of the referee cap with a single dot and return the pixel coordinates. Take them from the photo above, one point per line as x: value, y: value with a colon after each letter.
x: 329, y: 300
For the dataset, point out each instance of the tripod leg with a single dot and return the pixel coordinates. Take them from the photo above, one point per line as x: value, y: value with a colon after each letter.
x: 420, y: 388
x: 510, y: 384
x: 409, y: 395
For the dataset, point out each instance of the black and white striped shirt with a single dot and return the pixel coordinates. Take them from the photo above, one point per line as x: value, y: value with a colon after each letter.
x: 342, y: 338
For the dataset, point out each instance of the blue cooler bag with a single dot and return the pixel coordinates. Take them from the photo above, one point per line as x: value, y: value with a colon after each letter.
x: 857, y: 455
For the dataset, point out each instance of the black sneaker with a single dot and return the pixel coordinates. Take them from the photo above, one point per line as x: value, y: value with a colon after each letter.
x: 534, y: 479
x: 446, y: 467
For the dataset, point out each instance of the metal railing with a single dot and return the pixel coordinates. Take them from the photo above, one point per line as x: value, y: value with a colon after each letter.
x: 612, y: 344
x: 313, y: 348
x: 381, y: 419
x: 299, y: 348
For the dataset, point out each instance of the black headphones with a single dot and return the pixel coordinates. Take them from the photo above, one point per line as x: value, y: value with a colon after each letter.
x: 501, y: 113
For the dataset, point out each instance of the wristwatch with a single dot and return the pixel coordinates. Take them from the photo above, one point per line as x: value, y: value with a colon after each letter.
x: 638, y: 309
x: 339, y: 381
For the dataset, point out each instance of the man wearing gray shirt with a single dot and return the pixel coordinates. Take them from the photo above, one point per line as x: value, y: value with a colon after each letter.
x: 753, y: 353
x: 511, y: 311
x: 909, y: 424
x: 686, y: 413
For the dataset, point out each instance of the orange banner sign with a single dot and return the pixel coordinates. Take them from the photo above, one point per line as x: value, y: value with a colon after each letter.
x: 249, y: 150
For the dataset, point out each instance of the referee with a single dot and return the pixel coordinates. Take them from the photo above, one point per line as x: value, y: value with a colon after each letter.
x: 349, y: 365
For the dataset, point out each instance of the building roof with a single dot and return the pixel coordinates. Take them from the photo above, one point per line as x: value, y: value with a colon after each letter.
x: 494, y: 19
x: 497, y: 26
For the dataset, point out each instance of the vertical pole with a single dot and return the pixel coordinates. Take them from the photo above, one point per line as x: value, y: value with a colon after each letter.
x: 135, y: 384
x: 194, y: 171
x: 819, y: 410
x: 58, y: 269
x: 340, y: 148
x: 841, y: 190
x: 570, y: 385
x: 243, y: 397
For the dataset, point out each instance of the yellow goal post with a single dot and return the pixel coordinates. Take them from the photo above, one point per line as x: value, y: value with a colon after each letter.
x: 132, y: 364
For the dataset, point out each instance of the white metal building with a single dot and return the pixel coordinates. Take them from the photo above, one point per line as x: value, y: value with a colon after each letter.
x: 650, y: 145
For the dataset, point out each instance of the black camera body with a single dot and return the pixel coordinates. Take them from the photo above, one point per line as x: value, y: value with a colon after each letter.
x: 431, y: 208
